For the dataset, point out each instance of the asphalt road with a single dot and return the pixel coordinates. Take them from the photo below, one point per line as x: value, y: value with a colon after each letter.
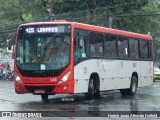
x: 72, y: 107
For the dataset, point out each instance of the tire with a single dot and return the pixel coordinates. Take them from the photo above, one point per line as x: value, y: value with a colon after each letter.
x: 44, y: 97
x: 96, y: 88
x: 133, y: 87
x: 90, y: 93
x: 93, y: 89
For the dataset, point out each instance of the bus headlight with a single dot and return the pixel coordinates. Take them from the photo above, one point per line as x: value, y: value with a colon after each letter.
x: 18, y: 79
x: 65, y: 78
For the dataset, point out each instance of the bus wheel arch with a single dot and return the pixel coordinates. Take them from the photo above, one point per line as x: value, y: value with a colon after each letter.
x: 131, y: 91
x: 93, y: 86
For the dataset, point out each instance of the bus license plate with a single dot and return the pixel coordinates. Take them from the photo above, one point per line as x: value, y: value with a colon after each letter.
x: 39, y: 91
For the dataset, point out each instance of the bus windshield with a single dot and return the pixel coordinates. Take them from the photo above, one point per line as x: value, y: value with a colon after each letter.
x: 49, y: 51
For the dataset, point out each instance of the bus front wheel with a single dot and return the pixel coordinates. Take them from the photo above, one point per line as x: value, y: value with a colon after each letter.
x: 93, y: 89
x: 44, y: 97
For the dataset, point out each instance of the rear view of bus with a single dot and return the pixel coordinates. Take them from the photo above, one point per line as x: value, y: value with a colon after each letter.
x: 42, y: 60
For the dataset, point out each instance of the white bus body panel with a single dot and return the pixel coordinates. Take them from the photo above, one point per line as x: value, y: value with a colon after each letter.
x: 113, y: 74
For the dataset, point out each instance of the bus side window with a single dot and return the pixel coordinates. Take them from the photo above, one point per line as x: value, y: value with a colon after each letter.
x: 123, y: 47
x: 96, y: 44
x: 79, y: 48
x: 133, y: 48
x: 144, y: 49
x: 79, y: 44
x: 110, y: 46
x: 82, y: 48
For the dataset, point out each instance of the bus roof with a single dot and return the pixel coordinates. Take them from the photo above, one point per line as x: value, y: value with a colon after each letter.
x: 95, y: 28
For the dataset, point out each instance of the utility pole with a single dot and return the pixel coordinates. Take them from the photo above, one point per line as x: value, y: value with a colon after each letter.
x: 110, y: 21
x: 51, y: 10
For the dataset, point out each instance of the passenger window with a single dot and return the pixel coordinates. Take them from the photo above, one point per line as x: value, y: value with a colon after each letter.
x: 110, y: 46
x: 133, y: 48
x: 144, y: 49
x: 96, y: 44
x: 79, y: 44
x: 123, y: 47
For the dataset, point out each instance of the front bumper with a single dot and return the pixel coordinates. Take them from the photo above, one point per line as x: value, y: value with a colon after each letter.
x: 47, y: 88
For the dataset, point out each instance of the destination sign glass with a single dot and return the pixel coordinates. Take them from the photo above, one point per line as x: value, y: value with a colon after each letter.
x: 45, y: 29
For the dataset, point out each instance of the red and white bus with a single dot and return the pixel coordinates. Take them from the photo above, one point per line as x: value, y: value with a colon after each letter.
x: 63, y: 57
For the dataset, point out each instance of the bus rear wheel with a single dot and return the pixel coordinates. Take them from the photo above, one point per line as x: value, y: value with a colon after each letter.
x: 133, y: 87
x: 44, y: 97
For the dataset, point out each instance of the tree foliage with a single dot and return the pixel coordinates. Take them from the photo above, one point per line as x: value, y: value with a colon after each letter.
x: 131, y: 15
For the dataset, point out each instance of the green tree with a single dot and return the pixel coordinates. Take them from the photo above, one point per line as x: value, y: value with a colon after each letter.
x: 130, y: 15
x: 15, y: 12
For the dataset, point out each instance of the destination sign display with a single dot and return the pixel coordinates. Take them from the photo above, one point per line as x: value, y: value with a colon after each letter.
x: 42, y: 30
x: 45, y: 29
